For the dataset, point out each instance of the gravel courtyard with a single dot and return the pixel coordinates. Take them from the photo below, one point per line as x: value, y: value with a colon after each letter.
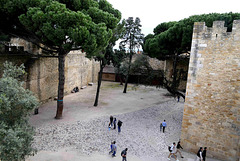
x: 83, y: 135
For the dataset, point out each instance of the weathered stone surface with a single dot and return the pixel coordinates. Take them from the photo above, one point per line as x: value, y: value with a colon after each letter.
x: 211, y: 111
x: 42, y: 77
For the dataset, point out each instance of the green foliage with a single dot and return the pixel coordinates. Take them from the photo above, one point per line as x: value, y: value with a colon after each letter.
x: 149, y: 36
x: 119, y: 56
x: 123, y: 69
x: 60, y: 24
x: 108, y: 55
x: 175, y: 37
x: 4, y: 38
x: 118, y: 32
x: 132, y: 38
x: 16, y: 142
x: 141, y: 67
x: 16, y: 103
x: 115, y: 56
x: 163, y: 27
x: 16, y: 72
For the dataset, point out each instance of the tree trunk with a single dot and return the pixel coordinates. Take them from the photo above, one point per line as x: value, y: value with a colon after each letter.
x: 99, y: 83
x: 174, y: 82
x: 126, y: 82
x: 171, y: 86
x: 61, y: 81
x: 120, y: 77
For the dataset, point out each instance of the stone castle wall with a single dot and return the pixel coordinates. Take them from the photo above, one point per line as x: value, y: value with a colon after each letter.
x: 43, y: 74
x: 167, y: 67
x: 42, y: 77
x: 212, y: 109
x: 181, y: 65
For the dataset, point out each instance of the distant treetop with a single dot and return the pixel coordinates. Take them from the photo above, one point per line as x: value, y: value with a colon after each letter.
x: 172, y: 38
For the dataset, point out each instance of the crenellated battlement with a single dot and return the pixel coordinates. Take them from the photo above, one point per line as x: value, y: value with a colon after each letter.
x: 217, y: 31
x: 211, y: 109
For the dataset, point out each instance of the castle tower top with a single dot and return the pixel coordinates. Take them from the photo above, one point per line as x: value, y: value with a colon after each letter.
x: 211, y: 109
x: 217, y: 31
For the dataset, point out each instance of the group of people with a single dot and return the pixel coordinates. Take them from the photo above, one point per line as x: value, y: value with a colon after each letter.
x: 112, y: 124
x: 201, y: 154
x: 163, y: 125
x: 173, y: 149
x: 113, y: 146
x: 114, y: 150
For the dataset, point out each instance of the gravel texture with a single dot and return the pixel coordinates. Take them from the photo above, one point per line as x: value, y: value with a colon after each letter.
x: 82, y: 134
x: 140, y: 133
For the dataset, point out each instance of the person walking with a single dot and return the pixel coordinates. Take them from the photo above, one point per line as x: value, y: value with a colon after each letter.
x: 204, y: 153
x: 119, y: 125
x: 124, y: 154
x: 161, y: 127
x: 173, y: 151
x: 114, y: 146
x: 164, y: 124
x: 199, y: 154
x: 111, y: 120
x: 178, y: 98
x: 111, y: 147
x: 114, y: 123
x: 178, y: 148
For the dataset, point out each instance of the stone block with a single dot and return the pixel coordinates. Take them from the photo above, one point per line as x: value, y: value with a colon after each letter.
x: 90, y: 84
x: 83, y: 87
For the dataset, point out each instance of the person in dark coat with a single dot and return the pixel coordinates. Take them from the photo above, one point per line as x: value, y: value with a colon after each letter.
x: 119, y: 126
x: 204, y: 153
x: 111, y: 121
x: 161, y: 127
x: 114, y: 123
x: 178, y: 148
x: 124, y: 154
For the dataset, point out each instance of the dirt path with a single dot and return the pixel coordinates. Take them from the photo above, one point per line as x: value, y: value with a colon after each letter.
x: 79, y: 106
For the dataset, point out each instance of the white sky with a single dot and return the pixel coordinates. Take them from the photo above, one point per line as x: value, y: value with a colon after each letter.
x: 154, y: 12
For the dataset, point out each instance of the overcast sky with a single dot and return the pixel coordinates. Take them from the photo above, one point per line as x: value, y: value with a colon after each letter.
x: 154, y: 12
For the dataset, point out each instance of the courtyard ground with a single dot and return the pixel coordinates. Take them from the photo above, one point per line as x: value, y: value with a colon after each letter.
x: 82, y: 134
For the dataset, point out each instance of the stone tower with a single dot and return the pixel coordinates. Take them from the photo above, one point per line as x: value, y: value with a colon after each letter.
x: 212, y: 109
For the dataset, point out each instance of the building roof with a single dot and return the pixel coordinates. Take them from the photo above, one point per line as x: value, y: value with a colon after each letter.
x: 109, y: 69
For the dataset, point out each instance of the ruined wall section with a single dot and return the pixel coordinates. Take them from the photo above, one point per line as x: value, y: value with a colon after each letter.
x: 212, y: 109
